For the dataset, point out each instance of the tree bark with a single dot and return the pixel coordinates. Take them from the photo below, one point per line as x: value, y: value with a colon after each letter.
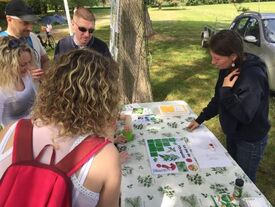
x: 132, y: 54
x: 149, y: 31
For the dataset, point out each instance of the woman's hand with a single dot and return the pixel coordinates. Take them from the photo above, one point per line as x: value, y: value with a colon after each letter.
x: 193, y: 125
x: 231, y: 78
x: 124, y: 157
x: 119, y: 139
x: 37, y: 73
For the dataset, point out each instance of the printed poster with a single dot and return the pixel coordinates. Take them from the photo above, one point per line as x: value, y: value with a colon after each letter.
x: 170, y: 155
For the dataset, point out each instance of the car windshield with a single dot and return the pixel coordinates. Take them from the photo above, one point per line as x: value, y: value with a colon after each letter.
x: 269, y: 29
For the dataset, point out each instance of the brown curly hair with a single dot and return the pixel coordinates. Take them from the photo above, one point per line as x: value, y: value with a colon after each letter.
x: 80, y: 93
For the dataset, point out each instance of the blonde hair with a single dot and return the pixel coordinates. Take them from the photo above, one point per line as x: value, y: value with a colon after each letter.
x: 84, y: 14
x: 10, y: 61
x: 79, y: 93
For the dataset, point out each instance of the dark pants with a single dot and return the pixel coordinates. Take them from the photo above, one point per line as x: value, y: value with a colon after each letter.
x: 247, y: 154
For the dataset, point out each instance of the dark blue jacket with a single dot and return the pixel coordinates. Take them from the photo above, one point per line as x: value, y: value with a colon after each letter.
x: 66, y: 44
x: 243, y: 109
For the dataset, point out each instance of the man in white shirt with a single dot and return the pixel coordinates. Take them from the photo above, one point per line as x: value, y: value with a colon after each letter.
x: 20, y: 18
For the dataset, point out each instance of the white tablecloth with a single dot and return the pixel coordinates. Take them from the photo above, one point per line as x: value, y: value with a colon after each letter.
x: 141, y: 188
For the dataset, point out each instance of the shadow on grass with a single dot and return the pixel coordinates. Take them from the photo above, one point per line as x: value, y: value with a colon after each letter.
x: 181, y: 70
x: 189, y: 73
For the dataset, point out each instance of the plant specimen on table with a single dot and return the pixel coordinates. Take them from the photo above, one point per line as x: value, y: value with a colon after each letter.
x: 141, y: 142
x: 122, y: 148
x: 150, y: 197
x: 186, y: 140
x: 126, y: 170
x: 207, y: 174
x: 137, y: 155
x: 146, y: 181
x: 140, y: 167
x: 219, y: 189
x: 196, y: 179
x: 172, y: 124
x: 152, y: 130
x: 138, y: 126
x: 181, y: 185
x: 219, y: 170
x: 133, y: 202
x: 130, y: 186
x: 191, y: 201
x: 167, y: 190
x: 168, y: 134
x: 204, y: 195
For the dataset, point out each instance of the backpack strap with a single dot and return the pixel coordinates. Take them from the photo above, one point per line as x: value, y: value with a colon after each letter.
x: 22, y: 148
x: 22, y: 143
x: 81, y: 154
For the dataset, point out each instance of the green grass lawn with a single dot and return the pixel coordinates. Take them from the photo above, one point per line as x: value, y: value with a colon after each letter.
x: 181, y: 70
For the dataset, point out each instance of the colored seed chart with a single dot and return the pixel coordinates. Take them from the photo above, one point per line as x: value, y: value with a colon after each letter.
x: 170, y: 155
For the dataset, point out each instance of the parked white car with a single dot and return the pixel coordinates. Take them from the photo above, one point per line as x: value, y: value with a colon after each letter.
x: 258, y: 33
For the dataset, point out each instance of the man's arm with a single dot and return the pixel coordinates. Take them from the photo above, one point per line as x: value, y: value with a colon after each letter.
x: 56, y: 51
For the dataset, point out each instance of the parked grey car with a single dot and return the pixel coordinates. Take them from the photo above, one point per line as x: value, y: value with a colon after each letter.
x: 258, y: 33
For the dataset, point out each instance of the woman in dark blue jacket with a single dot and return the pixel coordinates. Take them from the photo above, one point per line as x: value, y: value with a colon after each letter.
x: 241, y: 100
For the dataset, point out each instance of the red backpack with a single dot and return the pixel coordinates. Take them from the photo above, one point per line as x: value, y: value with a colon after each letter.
x: 29, y: 183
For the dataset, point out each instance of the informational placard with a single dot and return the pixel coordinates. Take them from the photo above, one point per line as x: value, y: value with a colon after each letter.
x: 170, y: 155
x: 253, y: 202
x: 173, y: 109
x: 207, y: 150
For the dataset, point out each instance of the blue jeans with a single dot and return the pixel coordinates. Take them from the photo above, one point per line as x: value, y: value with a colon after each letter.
x: 247, y: 154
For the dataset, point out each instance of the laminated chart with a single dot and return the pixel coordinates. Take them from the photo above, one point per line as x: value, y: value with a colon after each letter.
x: 173, y: 109
x: 170, y: 155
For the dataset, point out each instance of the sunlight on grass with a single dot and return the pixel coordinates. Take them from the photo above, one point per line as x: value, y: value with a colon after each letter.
x: 181, y: 69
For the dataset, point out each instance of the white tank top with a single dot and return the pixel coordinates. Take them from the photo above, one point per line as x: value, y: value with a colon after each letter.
x: 82, y: 196
x: 17, y: 104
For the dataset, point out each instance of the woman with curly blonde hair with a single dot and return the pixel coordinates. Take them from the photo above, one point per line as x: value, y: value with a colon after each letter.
x: 17, y: 91
x: 79, y: 96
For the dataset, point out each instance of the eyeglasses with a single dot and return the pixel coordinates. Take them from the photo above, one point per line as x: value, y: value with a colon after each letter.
x: 84, y: 29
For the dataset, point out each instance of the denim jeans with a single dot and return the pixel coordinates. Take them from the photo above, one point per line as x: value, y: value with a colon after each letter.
x: 247, y: 154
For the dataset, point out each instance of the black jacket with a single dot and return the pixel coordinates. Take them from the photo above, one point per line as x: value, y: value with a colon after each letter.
x: 243, y: 109
x: 66, y: 44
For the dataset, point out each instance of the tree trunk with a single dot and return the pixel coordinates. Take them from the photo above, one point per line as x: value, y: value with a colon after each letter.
x: 160, y: 6
x: 56, y: 8
x: 44, y: 8
x: 132, y: 54
x: 149, y: 31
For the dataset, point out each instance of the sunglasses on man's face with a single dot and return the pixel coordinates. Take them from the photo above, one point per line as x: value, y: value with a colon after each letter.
x: 84, y: 29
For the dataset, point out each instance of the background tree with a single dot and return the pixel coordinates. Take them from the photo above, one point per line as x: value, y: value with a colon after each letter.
x: 133, y: 52
x: 42, y: 6
x: 91, y: 3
